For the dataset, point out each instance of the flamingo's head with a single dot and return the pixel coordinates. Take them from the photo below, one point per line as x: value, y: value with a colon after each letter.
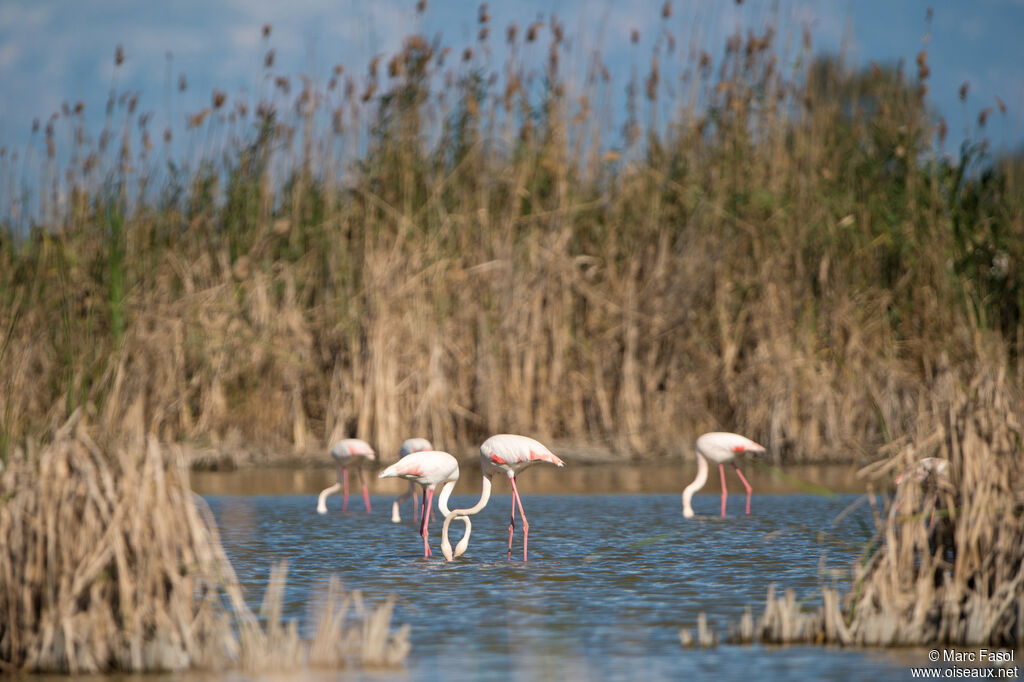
x: 751, y: 447
x: 548, y: 457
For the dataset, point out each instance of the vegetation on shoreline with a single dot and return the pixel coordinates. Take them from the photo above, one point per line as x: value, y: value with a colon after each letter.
x: 773, y: 243
x: 946, y: 564
x: 110, y: 563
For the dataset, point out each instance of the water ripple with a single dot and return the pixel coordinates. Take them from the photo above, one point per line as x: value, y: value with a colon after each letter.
x: 610, y: 581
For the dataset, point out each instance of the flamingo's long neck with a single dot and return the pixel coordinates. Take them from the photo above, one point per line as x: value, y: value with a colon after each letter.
x: 485, y: 496
x: 698, y: 483
x: 463, y: 514
x: 442, y: 500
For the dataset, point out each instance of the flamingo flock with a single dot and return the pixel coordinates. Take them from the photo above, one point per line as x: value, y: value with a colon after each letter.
x: 509, y: 454
x: 422, y: 465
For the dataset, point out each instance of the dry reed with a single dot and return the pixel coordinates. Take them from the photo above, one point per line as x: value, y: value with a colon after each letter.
x: 458, y: 247
x: 947, y: 563
x: 111, y: 563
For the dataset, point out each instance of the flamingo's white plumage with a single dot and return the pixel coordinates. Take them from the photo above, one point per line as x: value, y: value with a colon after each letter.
x: 927, y: 470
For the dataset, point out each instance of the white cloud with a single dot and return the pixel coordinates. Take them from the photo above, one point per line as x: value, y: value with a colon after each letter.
x: 971, y: 27
x: 9, y: 54
x: 246, y: 36
x: 25, y: 17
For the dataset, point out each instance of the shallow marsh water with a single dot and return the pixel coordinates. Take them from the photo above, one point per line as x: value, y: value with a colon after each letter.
x: 611, y: 579
x: 573, y: 479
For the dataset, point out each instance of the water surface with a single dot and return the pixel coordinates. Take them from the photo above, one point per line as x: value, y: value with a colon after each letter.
x: 583, y: 480
x: 610, y: 581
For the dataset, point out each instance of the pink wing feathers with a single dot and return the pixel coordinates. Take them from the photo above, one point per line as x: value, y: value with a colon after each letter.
x: 516, y: 451
x: 428, y: 467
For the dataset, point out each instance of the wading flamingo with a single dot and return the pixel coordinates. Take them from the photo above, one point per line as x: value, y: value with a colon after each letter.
x: 720, y: 448
x: 932, y: 475
x: 928, y: 470
x: 408, y: 447
x: 350, y: 452
x: 509, y: 454
x: 429, y: 468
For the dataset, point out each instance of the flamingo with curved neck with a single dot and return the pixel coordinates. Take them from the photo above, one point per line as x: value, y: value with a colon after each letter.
x: 721, y: 448
x: 350, y: 452
x: 410, y: 446
x: 509, y: 454
x: 428, y: 468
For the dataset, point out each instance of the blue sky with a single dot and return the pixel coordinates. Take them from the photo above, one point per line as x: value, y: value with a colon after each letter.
x: 51, y: 51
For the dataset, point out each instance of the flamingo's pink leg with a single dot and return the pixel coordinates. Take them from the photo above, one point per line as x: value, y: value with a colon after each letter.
x: 512, y: 519
x: 428, y: 499
x: 526, y: 525
x: 344, y: 497
x: 725, y: 493
x: 430, y: 513
x: 423, y: 503
x: 366, y: 492
x: 415, y: 505
x: 423, y: 520
x: 745, y: 485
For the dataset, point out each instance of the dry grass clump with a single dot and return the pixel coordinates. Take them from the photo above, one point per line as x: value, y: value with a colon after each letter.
x: 705, y: 637
x: 111, y: 563
x: 369, y: 642
x: 947, y: 562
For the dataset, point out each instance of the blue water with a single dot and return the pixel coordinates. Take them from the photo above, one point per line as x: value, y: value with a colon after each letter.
x: 610, y: 581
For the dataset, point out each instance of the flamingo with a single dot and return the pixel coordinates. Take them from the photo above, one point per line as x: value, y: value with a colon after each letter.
x: 932, y: 475
x: 719, y: 447
x: 408, y: 447
x: 510, y: 454
x: 931, y: 470
x: 429, y: 468
x: 346, y: 453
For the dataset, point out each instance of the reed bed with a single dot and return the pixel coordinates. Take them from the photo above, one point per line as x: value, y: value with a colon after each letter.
x: 110, y: 563
x: 947, y: 562
x: 760, y: 237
